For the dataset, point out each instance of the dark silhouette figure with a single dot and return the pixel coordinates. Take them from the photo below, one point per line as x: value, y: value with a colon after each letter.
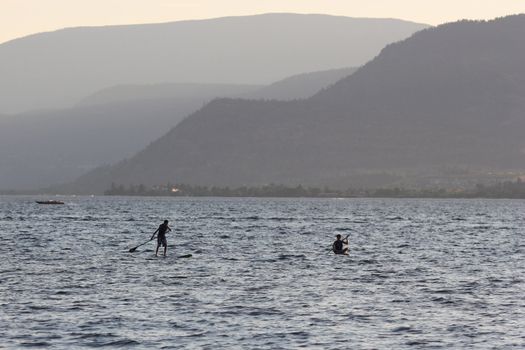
x: 161, y: 237
x: 339, y: 245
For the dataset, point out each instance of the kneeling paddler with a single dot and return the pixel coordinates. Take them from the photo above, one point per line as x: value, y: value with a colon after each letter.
x: 339, y: 245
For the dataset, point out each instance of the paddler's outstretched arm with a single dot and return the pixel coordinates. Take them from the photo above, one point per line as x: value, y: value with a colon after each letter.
x: 345, y: 240
x: 154, y: 233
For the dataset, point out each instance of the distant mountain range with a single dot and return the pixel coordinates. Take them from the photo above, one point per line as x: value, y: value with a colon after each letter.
x: 448, y: 100
x: 180, y: 91
x: 299, y: 86
x: 56, y: 69
x: 43, y: 148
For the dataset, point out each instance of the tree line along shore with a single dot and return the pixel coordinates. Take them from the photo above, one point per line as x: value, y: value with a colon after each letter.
x: 506, y: 189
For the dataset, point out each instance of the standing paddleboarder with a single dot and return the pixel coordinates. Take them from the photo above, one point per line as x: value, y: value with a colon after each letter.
x: 161, y: 237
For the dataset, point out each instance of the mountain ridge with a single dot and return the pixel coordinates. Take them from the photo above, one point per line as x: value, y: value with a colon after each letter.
x: 122, y: 120
x: 385, y: 19
x: 56, y: 69
x: 447, y: 97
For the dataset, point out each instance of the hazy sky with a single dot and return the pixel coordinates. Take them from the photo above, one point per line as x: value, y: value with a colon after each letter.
x: 22, y: 17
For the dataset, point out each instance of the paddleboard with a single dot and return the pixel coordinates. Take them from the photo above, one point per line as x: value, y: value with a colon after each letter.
x: 167, y: 256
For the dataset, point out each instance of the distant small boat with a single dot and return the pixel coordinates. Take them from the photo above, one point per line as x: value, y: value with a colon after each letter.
x: 51, y: 201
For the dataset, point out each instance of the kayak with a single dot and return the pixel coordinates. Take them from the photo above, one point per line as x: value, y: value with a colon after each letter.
x: 51, y: 201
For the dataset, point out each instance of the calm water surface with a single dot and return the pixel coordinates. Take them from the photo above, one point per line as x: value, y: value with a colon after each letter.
x: 422, y: 274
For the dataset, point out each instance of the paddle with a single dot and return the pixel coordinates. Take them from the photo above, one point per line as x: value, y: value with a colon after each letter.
x: 135, y: 248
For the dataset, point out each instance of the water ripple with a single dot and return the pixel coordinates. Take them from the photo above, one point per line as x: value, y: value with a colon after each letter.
x: 442, y: 274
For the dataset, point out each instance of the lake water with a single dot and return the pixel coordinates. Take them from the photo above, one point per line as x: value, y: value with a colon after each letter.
x: 420, y: 274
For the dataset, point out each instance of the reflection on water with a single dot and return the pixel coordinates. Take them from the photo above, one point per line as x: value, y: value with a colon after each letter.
x: 421, y: 273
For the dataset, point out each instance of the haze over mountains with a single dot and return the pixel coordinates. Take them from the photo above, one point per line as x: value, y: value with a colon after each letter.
x: 181, y: 91
x: 57, y: 69
x: 298, y: 86
x: 449, y: 98
x: 40, y: 149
